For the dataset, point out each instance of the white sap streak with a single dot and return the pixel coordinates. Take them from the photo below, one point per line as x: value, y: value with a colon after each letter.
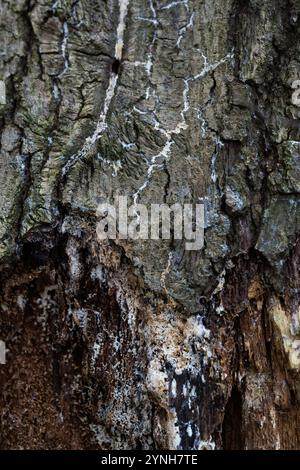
x: 211, y: 67
x: 213, y: 175
x: 64, y: 52
x: 213, y: 167
x: 174, y: 4
x: 173, y: 388
x: 116, y: 165
x: 123, y: 5
x: 158, y: 160
x: 54, y: 6
x: 102, y: 125
x: 64, y: 47
x: 137, y: 110
x: 184, y: 30
x: 55, y: 92
x: 164, y: 155
x: 203, y: 121
x: 149, y: 63
x: 2, y: 92
x: 190, y: 24
x: 147, y: 20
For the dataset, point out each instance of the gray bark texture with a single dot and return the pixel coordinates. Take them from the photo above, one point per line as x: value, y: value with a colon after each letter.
x: 142, y: 344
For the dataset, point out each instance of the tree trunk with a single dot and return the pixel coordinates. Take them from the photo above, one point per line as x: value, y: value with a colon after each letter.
x: 142, y: 344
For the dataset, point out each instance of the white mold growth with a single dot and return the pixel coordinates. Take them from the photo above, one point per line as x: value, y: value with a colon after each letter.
x: 127, y: 308
x: 165, y: 273
x: 289, y: 336
x: 171, y: 341
x: 98, y: 273
x: 46, y: 304
x: 157, y: 382
x: 74, y: 261
x: 206, y: 445
x: 182, y: 336
x: 21, y: 302
x: 274, y: 425
x: 173, y: 388
x: 173, y: 431
x: 189, y: 430
x: 97, y: 347
x: 80, y: 316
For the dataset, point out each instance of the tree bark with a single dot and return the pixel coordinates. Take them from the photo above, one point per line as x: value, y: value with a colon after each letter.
x: 142, y: 344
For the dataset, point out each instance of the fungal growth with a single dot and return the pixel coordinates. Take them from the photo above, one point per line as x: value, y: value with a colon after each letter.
x: 176, y: 326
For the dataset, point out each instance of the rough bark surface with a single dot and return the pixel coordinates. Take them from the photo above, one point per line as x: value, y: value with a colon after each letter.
x: 129, y: 345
